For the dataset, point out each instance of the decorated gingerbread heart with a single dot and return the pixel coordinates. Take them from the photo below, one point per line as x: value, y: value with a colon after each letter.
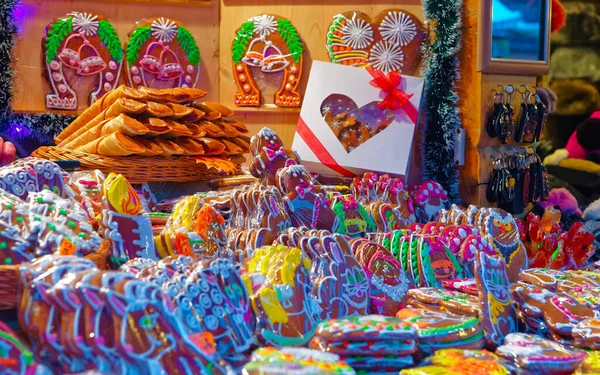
x: 390, y: 42
x: 267, y: 48
x: 82, y: 60
x: 161, y: 53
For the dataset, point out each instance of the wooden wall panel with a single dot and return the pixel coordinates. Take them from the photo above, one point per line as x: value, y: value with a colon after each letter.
x: 312, y: 19
x: 30, y: 86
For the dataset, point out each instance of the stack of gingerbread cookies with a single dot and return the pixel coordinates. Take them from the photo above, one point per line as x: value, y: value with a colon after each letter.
x: 371, y: 344
x: 156, y: 122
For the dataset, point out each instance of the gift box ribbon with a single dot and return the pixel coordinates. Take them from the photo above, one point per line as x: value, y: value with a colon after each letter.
x: 395, y: 98
x: 319, y: 150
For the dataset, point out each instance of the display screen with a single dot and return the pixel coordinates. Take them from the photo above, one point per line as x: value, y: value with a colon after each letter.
x: 518, y: 29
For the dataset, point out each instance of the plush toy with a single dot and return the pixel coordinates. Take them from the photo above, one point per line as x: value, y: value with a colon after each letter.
x: 562, y: 198
x: 592, y: 212
x: 559, y: 16
x: 584, y: 143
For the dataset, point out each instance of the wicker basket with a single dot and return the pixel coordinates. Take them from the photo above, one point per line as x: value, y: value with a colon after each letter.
x: 10, y: 277
x: 139, y: 169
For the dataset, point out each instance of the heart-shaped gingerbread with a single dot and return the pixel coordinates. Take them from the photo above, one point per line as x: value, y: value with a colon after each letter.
x: 352, y: 125
x: 390, y: 42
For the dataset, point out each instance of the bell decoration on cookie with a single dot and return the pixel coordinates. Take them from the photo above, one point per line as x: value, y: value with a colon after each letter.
x: 266, y: 49
x: 390, y: 42
x: 161, y: 53
x: 82, y: 58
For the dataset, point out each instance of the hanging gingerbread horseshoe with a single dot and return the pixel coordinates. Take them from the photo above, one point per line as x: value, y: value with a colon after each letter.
x: 161, y: 53
x: 82, y: 57
x: 267, y: 44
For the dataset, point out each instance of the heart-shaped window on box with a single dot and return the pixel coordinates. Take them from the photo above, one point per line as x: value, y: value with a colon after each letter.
x: 354, y: 126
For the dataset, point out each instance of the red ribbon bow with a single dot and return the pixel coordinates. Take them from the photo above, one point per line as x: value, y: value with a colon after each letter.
x: 395, y: 98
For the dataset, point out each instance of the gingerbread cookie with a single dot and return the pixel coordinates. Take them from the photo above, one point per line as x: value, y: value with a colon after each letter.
x: 498, y: 314
x: 452, y: 301
x: 351, y: 218
x: 161, y: 53
x: 295, y: 361
x: 270, y: 155
x: 269, y: 44
x: 429, y: 198
x: 504, y: 234
x: 460, y: 362
x: 389, y: 42
x: 366, y: 328
x: 539, y: 355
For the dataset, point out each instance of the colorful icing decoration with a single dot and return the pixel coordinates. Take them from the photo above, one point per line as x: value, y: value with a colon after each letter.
x: 429, y: 198
x: 352, y: 219
x: 34, y: 175
x: 450, y: 300
x: 210, y: 226
x: 125, y: 222
x: 498, y: 314
x: 536, y: 354
x: 267, y: 44
x: 503, y: 231
x: 306, y: 206
x: 15, y: 358
x: 460, y: 362
x: 436, y: 262
x: 366, y: 328
x: 390, y: 42
x: 82, y: 58
x: 161, y: 53
x: 227, y: 314
x: 442, y: 329
x: 282, y: 297
x: 270, y: 155
x: 295, y: 361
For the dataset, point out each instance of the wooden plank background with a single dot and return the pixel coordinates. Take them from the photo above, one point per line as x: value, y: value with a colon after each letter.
x: 213, y: 26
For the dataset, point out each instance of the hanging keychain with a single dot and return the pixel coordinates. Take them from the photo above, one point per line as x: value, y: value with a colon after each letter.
x: 506, y: 123
x: 495, y: 115
x: 542, y: 117
x: 524, y: 115
x: 544, y: 181
x: 491, y: 193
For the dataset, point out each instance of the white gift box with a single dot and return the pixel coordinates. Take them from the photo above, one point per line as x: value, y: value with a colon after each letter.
x: 343, y: 128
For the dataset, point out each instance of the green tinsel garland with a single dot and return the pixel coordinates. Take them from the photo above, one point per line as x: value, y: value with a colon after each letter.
x: 442, y: 119
x: 41, y: 127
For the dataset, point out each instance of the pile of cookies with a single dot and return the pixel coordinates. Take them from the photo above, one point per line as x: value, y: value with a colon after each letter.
x: 156, y: 122
x: 369, y: 344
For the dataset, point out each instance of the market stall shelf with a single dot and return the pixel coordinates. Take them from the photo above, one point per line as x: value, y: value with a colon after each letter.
x: 82, y: 60
x: 161, y: 53
x: 267, y: 51
x: 390, y: 42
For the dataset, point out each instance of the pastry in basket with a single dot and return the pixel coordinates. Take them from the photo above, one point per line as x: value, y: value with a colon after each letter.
x: 154, y: 109
x: 190, y: 146
x: 80, y: 136
x: 180, y: 111
x: 239, y: 126
x: 223, y: 110
x: 229, y: 130
x: 169, y: 148
x: 96, y: 108
x: 196, y: 130
x: 195, y: 115
x: 150, y: 148
x: 114, y: 144
x: 155, y: 126
x: 209, y: 113
x: 242, y: 142
x: 211, y: 129
x: 177, y: 130
x: 212, y: 146
x: 122, y: 124
x: 231, y: 148
x: 177, y: 95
